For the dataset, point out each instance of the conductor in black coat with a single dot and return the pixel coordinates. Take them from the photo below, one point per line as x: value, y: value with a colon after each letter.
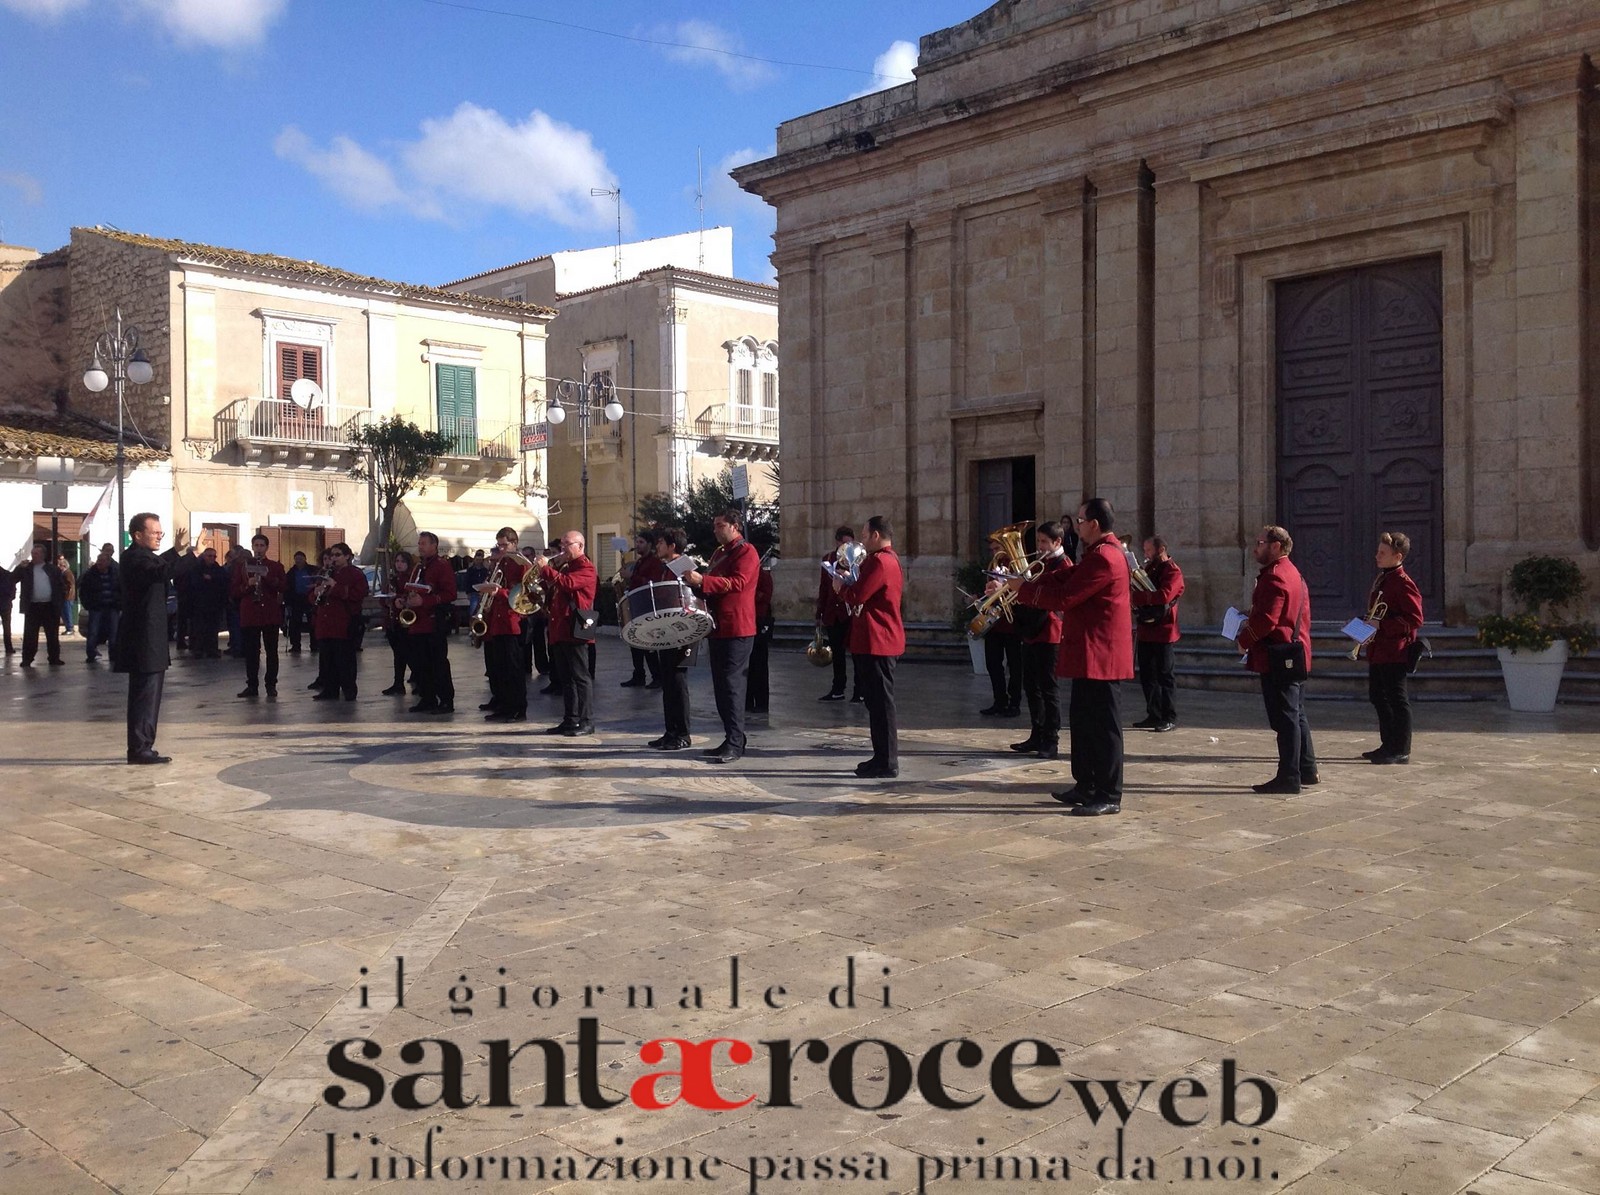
x: 141, y: 649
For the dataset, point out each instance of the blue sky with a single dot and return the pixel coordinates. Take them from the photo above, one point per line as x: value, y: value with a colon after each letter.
x: 417, y: 139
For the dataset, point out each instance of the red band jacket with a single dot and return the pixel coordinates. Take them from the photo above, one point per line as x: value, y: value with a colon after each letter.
x: 1168, y: 578
x: 1052, y: 625
x: 572, y: 588
x: 1402, y: 617
x: 763, y: 597
x: 877, y: 628
x: 263, y: 606
x: 495, y: 609
x: 831, y: 608
x: 334, y: 616
x: 435, y: 572
x: 729, y: 586
x: 1279, y: 603
x: 1093, y: 596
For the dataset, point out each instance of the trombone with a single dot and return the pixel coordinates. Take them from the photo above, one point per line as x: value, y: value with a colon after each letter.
x: 1379, y: 611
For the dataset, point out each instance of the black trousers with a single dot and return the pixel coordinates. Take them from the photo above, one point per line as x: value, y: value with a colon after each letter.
x: 205, y: 624
x: 508, y: 682
x: 839, y: 641
x: 1386, y: 688
x: 730, y: 678
x: 1002, y: 655
x: 144, y: 709
x: 571, y: 669
x: 758, y: 694
x: 672, y: 667
x: 1157, y: 681
x: 397, y: 646
x: 37, y: 616
x: 1044, y: 694
x: 337, y: 659
x: 1094, y: 714
x: 297, y: 618
x: 533, y: 632
x: 255, y: 638
x: 1286, y: 714
x: 5, y: 623
x: 430, y: 664
x: 876, y: 674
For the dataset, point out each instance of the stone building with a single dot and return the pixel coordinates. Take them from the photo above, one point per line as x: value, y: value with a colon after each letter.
x: 228, y: 334
x: 691, y: 353
x: 1226, y: 262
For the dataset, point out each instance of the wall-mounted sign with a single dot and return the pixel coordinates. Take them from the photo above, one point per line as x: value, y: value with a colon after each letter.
x: 535, y: 436
x: 300, y: 502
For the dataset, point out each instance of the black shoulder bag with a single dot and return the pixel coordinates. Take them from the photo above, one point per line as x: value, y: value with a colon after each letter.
x: 1287, y: 661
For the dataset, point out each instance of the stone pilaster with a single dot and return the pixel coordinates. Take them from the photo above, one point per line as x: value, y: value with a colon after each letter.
x: 931, y: 361
x: 1067, y: 458
x: 1124, y: 471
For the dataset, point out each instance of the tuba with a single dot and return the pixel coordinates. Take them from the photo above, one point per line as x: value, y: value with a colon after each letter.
x: 1010, y: 560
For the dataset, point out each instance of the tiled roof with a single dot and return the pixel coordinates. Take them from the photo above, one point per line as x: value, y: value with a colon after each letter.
x: 310, y: 271
x: 527, y: 261
x: 29, y: 434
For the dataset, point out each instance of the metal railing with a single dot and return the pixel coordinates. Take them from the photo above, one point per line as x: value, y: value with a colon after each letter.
x: 474, y: 437
x: 755, y: 423
x: 279, y: 421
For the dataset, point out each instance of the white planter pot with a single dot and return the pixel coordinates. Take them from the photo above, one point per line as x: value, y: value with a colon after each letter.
x: 1533, y: 678
x: 975, y: 646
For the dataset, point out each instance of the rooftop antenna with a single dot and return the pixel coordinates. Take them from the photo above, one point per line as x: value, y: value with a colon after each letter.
x: 700, y: 202
x: 615, y: 193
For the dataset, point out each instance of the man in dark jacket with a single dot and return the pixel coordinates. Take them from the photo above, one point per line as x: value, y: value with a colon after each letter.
x: 42, y: 589
x: 141, y: 648
x: 99, y: 603
x: 8, y: 595
x: 208, y: 604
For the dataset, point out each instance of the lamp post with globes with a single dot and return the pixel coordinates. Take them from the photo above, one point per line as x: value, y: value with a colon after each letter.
x: 585, y: 396
x: 128, y: 364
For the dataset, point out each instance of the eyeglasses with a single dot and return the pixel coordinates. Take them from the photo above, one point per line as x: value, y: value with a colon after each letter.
x: 1080, y: 519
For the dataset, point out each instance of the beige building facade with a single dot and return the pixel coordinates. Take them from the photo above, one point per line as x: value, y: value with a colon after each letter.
x: 1327, y: 263
x: 692, y: 358
x: 229, y: 333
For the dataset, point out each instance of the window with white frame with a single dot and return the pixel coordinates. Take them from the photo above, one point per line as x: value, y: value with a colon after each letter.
x: 753, y: 384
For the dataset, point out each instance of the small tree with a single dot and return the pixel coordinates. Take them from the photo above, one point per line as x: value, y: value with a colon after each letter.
x: 396, y: 457
x: 707, y: 498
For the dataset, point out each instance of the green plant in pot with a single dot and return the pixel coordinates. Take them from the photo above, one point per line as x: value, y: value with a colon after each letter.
x: 1534, y: 645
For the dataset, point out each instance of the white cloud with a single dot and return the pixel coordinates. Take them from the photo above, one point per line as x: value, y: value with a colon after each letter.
x: 223, y: 24
x: 31, y: 190
x: 538, y: 167
x: 891, y: 68
x: 704, y: 44
x: 754, y: 219
x: 46, y: 10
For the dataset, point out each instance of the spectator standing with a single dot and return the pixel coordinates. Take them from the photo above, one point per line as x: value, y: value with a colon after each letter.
x: 100, y: 603
x: 208, y: 604
x: 69, y: 604
x: 43, y: 591
x: 297, y: 603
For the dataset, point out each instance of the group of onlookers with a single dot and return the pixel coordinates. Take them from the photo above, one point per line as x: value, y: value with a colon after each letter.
x: 54, y: 601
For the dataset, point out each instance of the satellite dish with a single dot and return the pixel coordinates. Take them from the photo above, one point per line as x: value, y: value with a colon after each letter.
x: 306, y: 395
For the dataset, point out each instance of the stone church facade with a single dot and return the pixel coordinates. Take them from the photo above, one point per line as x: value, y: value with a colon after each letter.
x: 1225, y: 262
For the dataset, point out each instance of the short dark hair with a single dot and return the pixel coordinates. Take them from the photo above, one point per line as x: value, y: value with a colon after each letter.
x: 1051, y: 530
x: 258, y: 537
x: 428, y: 535
x: 1398, y: 540
x: 650, y: 535
x: 1277, y: 535
x: 511, y: 531
x: 677, y: 537
x: 842, y: 532
x: 1099, y: 509
x: 733, y: 517
x: 1159, y: 544
x: 881, y: 525
x: 136, y: 524
x: 299, y: 555
x: 343, y: 549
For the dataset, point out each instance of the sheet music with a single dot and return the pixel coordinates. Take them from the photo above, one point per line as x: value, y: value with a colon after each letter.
x: 683, y: 564
x: 1232, y: 621
x: 1358, y: 630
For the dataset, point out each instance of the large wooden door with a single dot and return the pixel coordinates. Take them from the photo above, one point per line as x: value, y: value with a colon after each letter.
x: 1360, y: 427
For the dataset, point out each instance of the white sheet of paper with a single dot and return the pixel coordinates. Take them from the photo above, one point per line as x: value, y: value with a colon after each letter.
x: 1231, y: 622
x: 1358, y: 630
x: 681, y: 565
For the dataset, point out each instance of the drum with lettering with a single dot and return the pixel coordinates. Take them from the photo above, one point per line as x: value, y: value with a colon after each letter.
x: 665, y: 614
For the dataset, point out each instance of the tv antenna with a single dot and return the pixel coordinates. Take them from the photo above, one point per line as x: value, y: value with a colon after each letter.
x: 700, y: 202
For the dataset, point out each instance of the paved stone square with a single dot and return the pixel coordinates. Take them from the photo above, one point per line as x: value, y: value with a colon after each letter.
x: 1409, y: 956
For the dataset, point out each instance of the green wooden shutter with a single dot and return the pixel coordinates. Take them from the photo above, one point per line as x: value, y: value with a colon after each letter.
x: 458, y: 405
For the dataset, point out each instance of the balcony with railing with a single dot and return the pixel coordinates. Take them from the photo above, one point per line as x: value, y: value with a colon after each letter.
x: 480, y: 449
x: 752, y: 434
x: 276, y: 431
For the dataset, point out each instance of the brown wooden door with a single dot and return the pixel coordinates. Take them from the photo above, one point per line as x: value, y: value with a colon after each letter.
x: 1360, y: 427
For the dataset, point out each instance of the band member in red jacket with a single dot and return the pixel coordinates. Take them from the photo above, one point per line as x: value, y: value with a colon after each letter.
x: 833, y: 616
x: 502, y: 641
x: 1280, y: 612
x: 1096, y: 652
x: 645, y: 570
x: 1388, y: 664
x: 1039, y: 650
x: 430, y: 594
x: 258, y: 585
x: 758, y: 694
x: 878, y: 640
x: 572, y: 582
x: 729, y: 586
x: 335, y: 609
x: 1155, y: 615
x: 671, y: 663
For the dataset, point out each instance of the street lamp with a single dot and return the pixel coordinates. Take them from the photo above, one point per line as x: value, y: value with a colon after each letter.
x: 128, y: 364
x: 585, y: 396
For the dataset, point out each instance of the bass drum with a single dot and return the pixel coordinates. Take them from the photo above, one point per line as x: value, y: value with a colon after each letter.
x: 665, y: 614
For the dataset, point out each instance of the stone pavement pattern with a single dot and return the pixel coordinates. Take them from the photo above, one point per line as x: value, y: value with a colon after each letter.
x: 1409, y: 954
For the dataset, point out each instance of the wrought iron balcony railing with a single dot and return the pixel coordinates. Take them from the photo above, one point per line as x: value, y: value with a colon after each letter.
x: 475, y: 438
x: 277, y: 422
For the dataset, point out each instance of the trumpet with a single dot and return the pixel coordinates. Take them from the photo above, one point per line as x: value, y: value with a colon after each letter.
x: 1379, y: 611
x: 480, y: 625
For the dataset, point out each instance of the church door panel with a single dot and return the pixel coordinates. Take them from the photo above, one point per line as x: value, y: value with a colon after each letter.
x: 1360, y: 415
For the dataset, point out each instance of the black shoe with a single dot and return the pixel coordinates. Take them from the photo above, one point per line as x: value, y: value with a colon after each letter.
x: 566, y: 728
x: 316, y: 684
x: 1279, y: 786
x: 148, y: 757
x: 395, y: 691
x: 294, y: 649
x: 443, y: 709
x: 26, y: 664
x: 655, y: 684
x: 350, y: 696
x: 633, y: 682
x: 1310, y: 778
x: 502, y: 717
x: 249, y: 691
x: 661, y: 742
x: 992, y: 711
x: 1077, y: 795
x: 1011, y: 711
x: 1163, y: 727
x: 424, y: 707
x: 831, y: 697
x: 718, y: 749
x: 1048, y: 749
x: 868, y: 765
x: 857, y: 699
x: 272, y: 690
x: 726, y: 755
x: 1374, y: 753
x: 327, y: 695
x: 550, y: 689
x: 882, y: 771
x: 489, y: 705
x: 578, y: 731
x: 91, y: 659
x: 1145, y: 724
x: 1388, y: 758
x: 57, y: 663
x: 677, y: 744
x: 1098, y: 808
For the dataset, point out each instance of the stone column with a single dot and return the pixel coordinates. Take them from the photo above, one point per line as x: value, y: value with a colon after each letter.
x: 1124, y: 318
x: 799, y: 436
x: 930, y: 279
x: 1175, y: 414
x: 1067, y: 352
x: 891, y: 394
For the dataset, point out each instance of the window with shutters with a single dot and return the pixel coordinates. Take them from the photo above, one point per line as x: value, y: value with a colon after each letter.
x: 296, y: 361
x: 457, y: 390
x: 290, y: 420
